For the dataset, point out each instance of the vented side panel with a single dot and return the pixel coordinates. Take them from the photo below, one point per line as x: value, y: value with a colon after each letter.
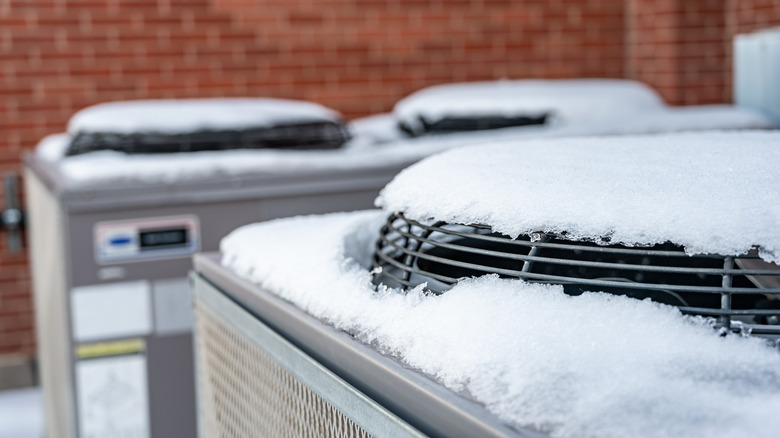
x: 246, y: 393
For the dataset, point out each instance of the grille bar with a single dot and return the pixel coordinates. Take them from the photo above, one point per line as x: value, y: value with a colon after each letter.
x: 410, y: 253
x: 569, y: 262
x: 531, y: 243
x: 300, y: 136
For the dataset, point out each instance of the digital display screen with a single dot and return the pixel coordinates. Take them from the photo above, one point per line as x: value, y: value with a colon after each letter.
x: 158, y: 238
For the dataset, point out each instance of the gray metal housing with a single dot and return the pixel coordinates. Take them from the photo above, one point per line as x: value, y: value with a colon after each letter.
x: 62, y: 228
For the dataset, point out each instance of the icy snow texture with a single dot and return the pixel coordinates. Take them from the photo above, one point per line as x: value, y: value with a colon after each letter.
x: 596, y: 365
x: 709, y: 192
x: 176, y: 116
x: 568, y: 101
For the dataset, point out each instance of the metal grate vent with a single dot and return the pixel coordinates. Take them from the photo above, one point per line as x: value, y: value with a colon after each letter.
x: 409, y: 253
x: 462, y: 124
x: 318, y: 135
x: 245, y: 393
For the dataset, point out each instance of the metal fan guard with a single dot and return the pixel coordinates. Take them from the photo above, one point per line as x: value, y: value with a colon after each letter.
x: 309, y: 135
x: 744, y: 288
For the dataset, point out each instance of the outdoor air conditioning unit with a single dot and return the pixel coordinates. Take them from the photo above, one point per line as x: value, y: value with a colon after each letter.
x: 111, y: 251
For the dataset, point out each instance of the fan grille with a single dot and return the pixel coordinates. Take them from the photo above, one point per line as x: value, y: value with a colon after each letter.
x: 462, y: 124
x: 409, y: 253
x: 316, y: 135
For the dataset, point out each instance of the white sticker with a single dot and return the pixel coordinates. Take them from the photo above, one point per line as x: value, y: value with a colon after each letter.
x: 113, y: 398
x: 111, y: 310
x: 173, y: 311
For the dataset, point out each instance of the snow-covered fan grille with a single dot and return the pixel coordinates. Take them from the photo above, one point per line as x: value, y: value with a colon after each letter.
x: 746, y: 289
x: 314, y: 135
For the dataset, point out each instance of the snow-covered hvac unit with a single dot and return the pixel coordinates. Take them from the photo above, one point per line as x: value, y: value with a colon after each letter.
x: 296, y: 341
x: 543, y: 108
x: 756, y: 71
x: 113, y: 230
x: 267, y: 368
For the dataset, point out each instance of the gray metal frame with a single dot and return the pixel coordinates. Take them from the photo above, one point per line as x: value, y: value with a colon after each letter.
x: 66, y: 214
x: 258, y: 185
x: 414, y: 398
x: 368, y: 414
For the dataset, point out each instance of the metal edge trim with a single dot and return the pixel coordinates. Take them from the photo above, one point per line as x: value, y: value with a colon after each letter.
x: 362, y: 410
x: 102, y: 196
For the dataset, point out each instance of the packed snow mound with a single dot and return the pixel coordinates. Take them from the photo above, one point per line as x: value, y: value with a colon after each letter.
x: 567, y: 101
x: 712, y: 192
x: 595, y: 365
x: 375, y: 129
x: 53, y: 147
x: 111, y: 167
x: 180, y: 116
x: 669, y: 119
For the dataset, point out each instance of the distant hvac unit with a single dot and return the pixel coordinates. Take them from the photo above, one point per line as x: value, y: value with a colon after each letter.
x: 757, y: 71
x: 115, y: 218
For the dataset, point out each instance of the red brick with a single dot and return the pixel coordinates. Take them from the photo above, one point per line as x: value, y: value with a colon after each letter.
x: 357, y: 56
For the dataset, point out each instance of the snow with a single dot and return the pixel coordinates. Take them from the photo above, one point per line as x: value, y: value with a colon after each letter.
x: 568, y: 101
x: 669, y: 119
x: 21, y: 413
x: 382, y: 129
x: 116, y: 167
x: 175, y: 116
x: 375, y: 129
x: 595, y: 365
x: 53, y: 147
x: 713, y: 192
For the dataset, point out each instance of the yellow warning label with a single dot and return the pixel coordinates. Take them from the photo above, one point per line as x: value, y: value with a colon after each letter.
x: 112, y: 348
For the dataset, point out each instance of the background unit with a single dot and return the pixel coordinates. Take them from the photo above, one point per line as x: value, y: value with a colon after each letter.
x: 112, y: 301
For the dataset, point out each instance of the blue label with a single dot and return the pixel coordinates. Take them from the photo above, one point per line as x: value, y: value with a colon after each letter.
x: 120, y: 240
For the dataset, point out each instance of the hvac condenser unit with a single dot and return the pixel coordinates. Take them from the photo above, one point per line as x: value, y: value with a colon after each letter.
x: 111, y: 245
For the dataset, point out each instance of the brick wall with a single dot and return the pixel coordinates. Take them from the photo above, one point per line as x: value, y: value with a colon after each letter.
x: 361, y: 56
x: 358, y: 56
x: 681, y: 48
x: 749, y: 15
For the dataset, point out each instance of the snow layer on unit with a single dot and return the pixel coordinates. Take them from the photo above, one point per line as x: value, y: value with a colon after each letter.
x: 669, y: 119
x: 375, y: 129
x: 53, y: 147
x: 567, y: 101
x: 21, y: 413
x: 709, y: 192
x: 117, y: 167
x: 596, y: 365
x: 176, y: 116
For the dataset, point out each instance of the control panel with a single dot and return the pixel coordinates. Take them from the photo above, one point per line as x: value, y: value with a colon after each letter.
x: 146, y: 239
